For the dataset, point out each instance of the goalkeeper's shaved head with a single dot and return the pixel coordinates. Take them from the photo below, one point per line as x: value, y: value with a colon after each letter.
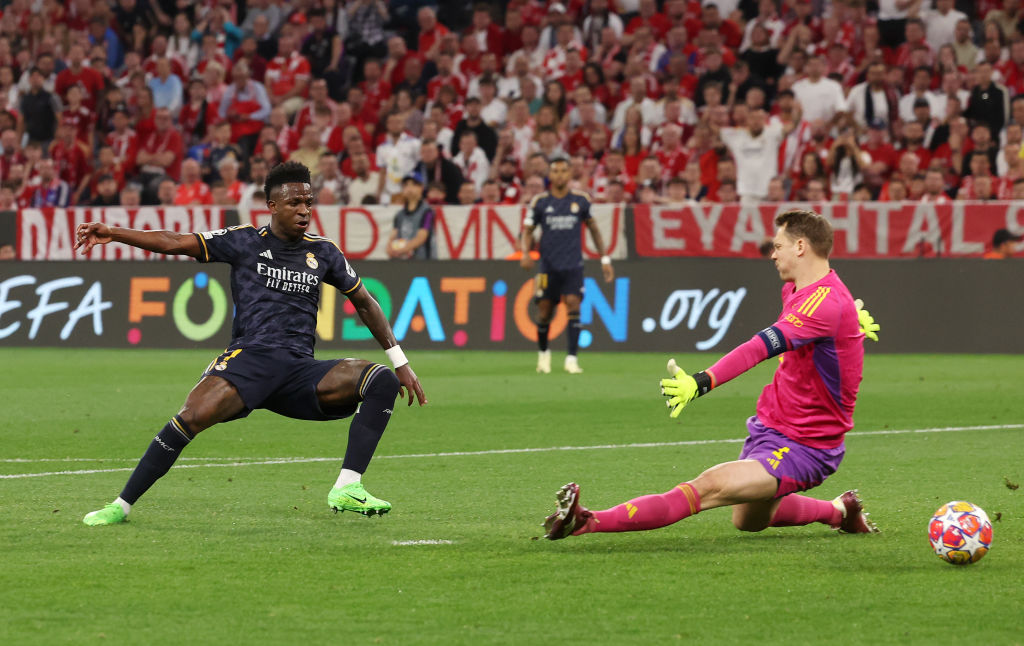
x: 811, y: 226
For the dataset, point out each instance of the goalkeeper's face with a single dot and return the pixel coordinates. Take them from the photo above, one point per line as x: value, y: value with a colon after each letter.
x: 786, y: 254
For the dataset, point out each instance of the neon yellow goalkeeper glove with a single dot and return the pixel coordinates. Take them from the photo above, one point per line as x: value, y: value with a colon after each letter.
x: 681, y: 388
x: 867, y: 322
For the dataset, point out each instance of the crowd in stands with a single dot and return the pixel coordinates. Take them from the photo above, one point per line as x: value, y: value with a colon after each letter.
x: 186, y: 102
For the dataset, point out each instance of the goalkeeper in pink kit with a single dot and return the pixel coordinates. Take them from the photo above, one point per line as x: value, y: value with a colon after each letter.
x: 796, y: 438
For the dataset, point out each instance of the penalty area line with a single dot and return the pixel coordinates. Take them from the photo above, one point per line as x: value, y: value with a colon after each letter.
x: 449, y: 454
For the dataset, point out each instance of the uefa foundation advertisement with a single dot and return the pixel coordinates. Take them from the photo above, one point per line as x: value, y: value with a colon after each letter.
x: 665, y: 305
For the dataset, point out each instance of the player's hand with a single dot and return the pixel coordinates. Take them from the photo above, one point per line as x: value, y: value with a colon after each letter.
x: 609, y: 272
x: 410, y: 385
x: 526, y: 262
x: 90, y: 234
x: 867, y: 322
x: 680, y: 388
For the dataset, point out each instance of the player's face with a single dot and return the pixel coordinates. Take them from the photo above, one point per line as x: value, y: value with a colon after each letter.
x: 290, y: 210
x: 559, y: 176
x: 785, y: 254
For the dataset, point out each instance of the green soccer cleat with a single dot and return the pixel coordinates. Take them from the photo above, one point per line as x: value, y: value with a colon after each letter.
x: 111, y: 514
x: 355, y: 497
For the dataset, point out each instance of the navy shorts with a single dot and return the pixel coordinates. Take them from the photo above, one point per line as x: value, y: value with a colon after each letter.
x: 796, y: 466
x: 553, y: 284
x: 277, y: 380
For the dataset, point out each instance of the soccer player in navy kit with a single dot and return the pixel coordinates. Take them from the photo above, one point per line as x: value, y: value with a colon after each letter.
x: 276, y: 275
x: 560, y: 212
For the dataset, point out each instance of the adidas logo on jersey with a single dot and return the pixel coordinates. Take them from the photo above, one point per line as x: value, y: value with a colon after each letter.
x: 266, y: 254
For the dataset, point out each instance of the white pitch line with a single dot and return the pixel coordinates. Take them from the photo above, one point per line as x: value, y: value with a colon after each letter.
x: 448, y: 454
x: 426, y: 541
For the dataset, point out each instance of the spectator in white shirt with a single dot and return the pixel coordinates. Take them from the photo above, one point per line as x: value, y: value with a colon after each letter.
x: 940, y: 23
x: 472, y: 161
x: 637, y: 96
x: 756, y: 151
x: 397, y: 156
x: 822, y: 98
x: 493, y: 110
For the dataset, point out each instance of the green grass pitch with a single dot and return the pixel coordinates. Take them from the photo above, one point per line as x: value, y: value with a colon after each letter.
x: 250, y: 554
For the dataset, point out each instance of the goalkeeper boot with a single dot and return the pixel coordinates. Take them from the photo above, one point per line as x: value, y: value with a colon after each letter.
x: 544, y: 362
x: 569, y: 515
x: 354, y: 497
x: 855, y: 519
x: 572, y: 365
x: 111, y: 514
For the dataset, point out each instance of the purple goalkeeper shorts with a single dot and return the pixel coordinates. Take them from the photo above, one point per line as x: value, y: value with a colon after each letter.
x: 797, y: 467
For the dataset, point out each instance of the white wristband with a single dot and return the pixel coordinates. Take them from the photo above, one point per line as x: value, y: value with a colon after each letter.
x: 606, y: 260
x: 396, y: 356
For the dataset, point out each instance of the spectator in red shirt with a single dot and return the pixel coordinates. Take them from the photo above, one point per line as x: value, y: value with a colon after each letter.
x: 431, y: 31
x: 71, y: 159
x: 375, y: 87
x: 649, y: 17
x: 76, y: 73
x: 192, y: 190
x: 394, y: 67
x: 446, y: 75
x: 287, y: 77
x: 161, y: 152
x: 489, y: 36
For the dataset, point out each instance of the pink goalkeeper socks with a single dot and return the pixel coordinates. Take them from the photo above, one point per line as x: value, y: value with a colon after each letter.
x: 797, y: 510
x: 646, y: 512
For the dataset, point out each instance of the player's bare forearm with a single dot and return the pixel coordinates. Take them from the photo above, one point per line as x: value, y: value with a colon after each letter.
x: 373, y: 318
x: 525, y: 242
x: 90, y: 234
x: 606, y: 262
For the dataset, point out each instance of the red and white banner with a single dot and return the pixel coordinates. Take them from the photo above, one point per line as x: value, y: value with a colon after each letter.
x: 49, y: 234
x: 862, y: 229
x: 476, y: 232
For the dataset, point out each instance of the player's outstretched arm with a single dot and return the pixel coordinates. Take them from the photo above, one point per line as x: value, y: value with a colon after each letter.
x: 90, y: 234
x: 373, y: 317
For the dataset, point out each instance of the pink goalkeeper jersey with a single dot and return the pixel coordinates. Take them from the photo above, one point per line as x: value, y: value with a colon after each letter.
x: 812, y: 395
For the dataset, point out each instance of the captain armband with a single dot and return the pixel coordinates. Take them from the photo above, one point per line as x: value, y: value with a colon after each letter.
x: 774, y: 340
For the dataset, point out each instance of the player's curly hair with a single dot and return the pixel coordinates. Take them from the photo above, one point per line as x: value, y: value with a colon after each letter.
x: 290, y: 172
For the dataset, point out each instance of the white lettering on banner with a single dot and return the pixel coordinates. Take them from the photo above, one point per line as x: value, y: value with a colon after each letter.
x: 749, y: 229
x: 957, y: 245
x: 707, y: 219
x: 49, y: 234
x: 92, y: 303
x: 850, y: 225
x: 8, y: 305
x: 1013, y: 220
x: 924, y: 228
x: 882, y: 210
x: 661, y: 226
x: 690, y: 304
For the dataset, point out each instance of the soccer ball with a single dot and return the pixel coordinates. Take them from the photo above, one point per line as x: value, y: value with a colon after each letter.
x: 960, y: 532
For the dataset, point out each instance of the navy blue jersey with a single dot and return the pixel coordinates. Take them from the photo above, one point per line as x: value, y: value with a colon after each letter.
x: 560, y: 219
x: 276, y: 285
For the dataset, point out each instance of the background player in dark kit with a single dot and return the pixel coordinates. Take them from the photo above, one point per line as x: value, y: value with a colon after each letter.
x: 276, y: 273
x: 559, y: 212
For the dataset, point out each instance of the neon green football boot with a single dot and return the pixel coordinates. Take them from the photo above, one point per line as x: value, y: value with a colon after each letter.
x: 355, y: 497
x: 111, y: 514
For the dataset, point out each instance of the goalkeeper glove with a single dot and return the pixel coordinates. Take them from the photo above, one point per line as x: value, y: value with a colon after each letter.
x: 867, y: 322
x: 681, y: 388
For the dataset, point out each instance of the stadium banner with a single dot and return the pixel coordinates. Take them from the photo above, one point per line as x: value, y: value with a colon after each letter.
x: 862, y: 229
x: 461, y: 232
x: 478, y: 232
x: 671, y: 305
x: 49, y: 233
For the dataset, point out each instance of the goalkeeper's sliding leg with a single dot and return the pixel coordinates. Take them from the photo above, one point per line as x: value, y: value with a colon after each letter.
x: 744, y: 484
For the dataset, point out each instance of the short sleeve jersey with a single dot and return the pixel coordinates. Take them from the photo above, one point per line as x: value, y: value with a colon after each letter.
x: 408, y: 224
x: 275, y: 285
x: 560, y: 220
x: 812, y: 396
